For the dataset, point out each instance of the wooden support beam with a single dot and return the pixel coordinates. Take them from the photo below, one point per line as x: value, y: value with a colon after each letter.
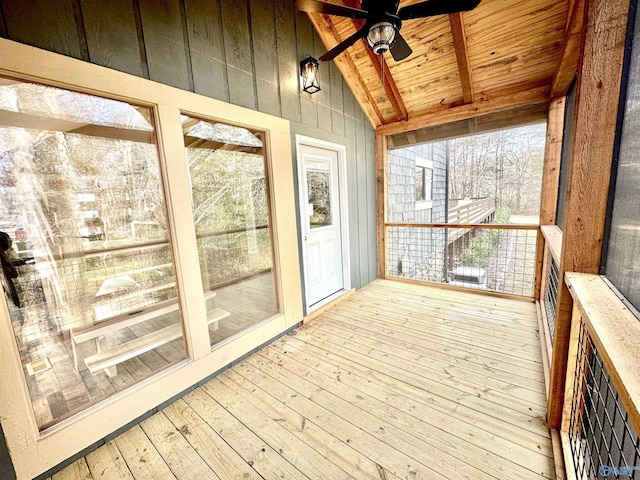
x: 382, y: 69
x: 487, y: 123
x: 329, y: 36
x: 571, y: 48
x: 552, y: 155
x: 483, y: 106
x: 381, y: 202
x: 589, y: 170
x: 462, y: 55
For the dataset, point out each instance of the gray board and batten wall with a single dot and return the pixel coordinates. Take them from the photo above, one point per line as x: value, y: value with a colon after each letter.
x: 245, y: 52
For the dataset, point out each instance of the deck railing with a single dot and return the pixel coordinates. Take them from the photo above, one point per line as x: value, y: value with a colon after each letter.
x: 601, y: 414
x: 494, y: 258
x: 471, y: 211
x: 552, y: 248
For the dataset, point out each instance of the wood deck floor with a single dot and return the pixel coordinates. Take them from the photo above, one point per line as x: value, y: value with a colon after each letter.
x: 397, y: 382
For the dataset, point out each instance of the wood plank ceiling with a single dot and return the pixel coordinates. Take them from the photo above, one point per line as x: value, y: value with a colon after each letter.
x: 504, y: 54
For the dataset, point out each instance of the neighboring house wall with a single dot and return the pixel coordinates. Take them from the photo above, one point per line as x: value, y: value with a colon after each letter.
x: 245, y: 52
x: 416, y: 252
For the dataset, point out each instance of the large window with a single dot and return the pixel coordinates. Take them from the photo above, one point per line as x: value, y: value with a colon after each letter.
x: 230, y: 196
x: 623, y: 246
x: 87, y: 263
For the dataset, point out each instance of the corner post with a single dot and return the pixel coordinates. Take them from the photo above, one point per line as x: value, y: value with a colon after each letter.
x: 381, y: 202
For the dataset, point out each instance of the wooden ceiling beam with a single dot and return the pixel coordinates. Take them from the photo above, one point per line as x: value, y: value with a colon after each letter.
x: 571, y: 49
x: 382, y: 69
x: 483, y: 106
x: 462, y: 55
x: 329, y: 36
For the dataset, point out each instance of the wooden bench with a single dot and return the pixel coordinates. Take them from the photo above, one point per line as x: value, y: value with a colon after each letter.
x: 108, y: 357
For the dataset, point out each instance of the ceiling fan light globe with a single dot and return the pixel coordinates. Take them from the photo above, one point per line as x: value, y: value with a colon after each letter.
x: 381, y: 36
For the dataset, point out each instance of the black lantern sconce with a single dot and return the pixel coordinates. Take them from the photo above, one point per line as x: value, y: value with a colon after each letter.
x: 310, y: 73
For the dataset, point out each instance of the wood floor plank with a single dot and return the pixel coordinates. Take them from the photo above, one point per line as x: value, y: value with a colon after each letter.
x: 508, y: 325
x: 297, y: 452
x: 439, y: 433
x: 368, y: 443
x: 184, y: 461
x: 446, y: 346
x: 454, y: 298
x: 525, y: 349
x: 416, y: 373
x: 413, y: 398
x: 264, y: 459
x: 479, y: 400
x: 347, y: 330
x: 78, y: 470
x: 142, y: 458
x: 524, y: 355
x: 106, y: 463
x: 223, y: 459
x: 431, y: 359
x: 393, y: 435
x: 336, y: 451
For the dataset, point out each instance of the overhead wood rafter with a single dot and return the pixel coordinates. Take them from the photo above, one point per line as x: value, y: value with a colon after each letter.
x: 329, y: 36
x: 382, y: 69
x: 462, y: 55
x: 572, y: 48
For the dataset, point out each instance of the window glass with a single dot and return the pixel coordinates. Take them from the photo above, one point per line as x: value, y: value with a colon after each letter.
x: 319, y: 188
x: 420, y: 184
x: 623, y: 246
x: 87, y: 267
x: 230, y: 197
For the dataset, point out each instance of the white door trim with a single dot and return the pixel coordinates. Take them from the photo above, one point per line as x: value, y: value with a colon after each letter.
x: 341, y: 151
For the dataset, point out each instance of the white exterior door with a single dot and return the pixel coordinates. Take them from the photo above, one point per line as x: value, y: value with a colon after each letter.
x: 321, y: 223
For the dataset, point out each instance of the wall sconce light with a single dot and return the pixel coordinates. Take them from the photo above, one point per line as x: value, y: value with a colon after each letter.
x: 310, y: 73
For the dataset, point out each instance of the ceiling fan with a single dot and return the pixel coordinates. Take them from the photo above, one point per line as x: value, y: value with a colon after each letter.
x: 383, y: 20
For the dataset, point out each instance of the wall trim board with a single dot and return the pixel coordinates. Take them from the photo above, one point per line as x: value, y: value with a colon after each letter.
x: 34, y: 452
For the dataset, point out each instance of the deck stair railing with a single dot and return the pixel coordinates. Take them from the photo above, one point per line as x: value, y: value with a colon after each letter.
x: 469, y: 211
x: 601, y: 413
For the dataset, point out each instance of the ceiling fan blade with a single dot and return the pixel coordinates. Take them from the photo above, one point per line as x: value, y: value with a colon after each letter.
x: 316, y: 6
x: 343, y: 45
x: 400, y: 49
x: 429, y: 8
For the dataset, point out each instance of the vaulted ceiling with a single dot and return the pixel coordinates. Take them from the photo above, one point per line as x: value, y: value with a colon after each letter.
x: 502, y: 55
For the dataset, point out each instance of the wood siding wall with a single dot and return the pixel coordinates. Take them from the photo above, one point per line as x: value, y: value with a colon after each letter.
x: 245, y: 52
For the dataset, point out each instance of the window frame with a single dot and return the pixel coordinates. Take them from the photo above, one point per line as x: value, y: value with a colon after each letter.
x: 425, y: 203
x: 34, y: 452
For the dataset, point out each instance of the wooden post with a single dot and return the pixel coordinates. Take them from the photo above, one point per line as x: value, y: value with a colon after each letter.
x: 595, y: 121
x: 381, y: 202
x: 552, y: 154
x: 550, y: 181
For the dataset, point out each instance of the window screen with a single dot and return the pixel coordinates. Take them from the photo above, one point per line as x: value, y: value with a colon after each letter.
x: 622, y: 266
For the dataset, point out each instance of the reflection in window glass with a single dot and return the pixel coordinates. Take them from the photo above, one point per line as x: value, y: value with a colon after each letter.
x: 319, y: 188
x: 229, y: 190
x: 623, y: 257
x: 88, y: 274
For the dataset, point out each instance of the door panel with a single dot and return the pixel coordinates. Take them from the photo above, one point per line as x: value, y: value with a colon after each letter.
x: 321, y: 222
